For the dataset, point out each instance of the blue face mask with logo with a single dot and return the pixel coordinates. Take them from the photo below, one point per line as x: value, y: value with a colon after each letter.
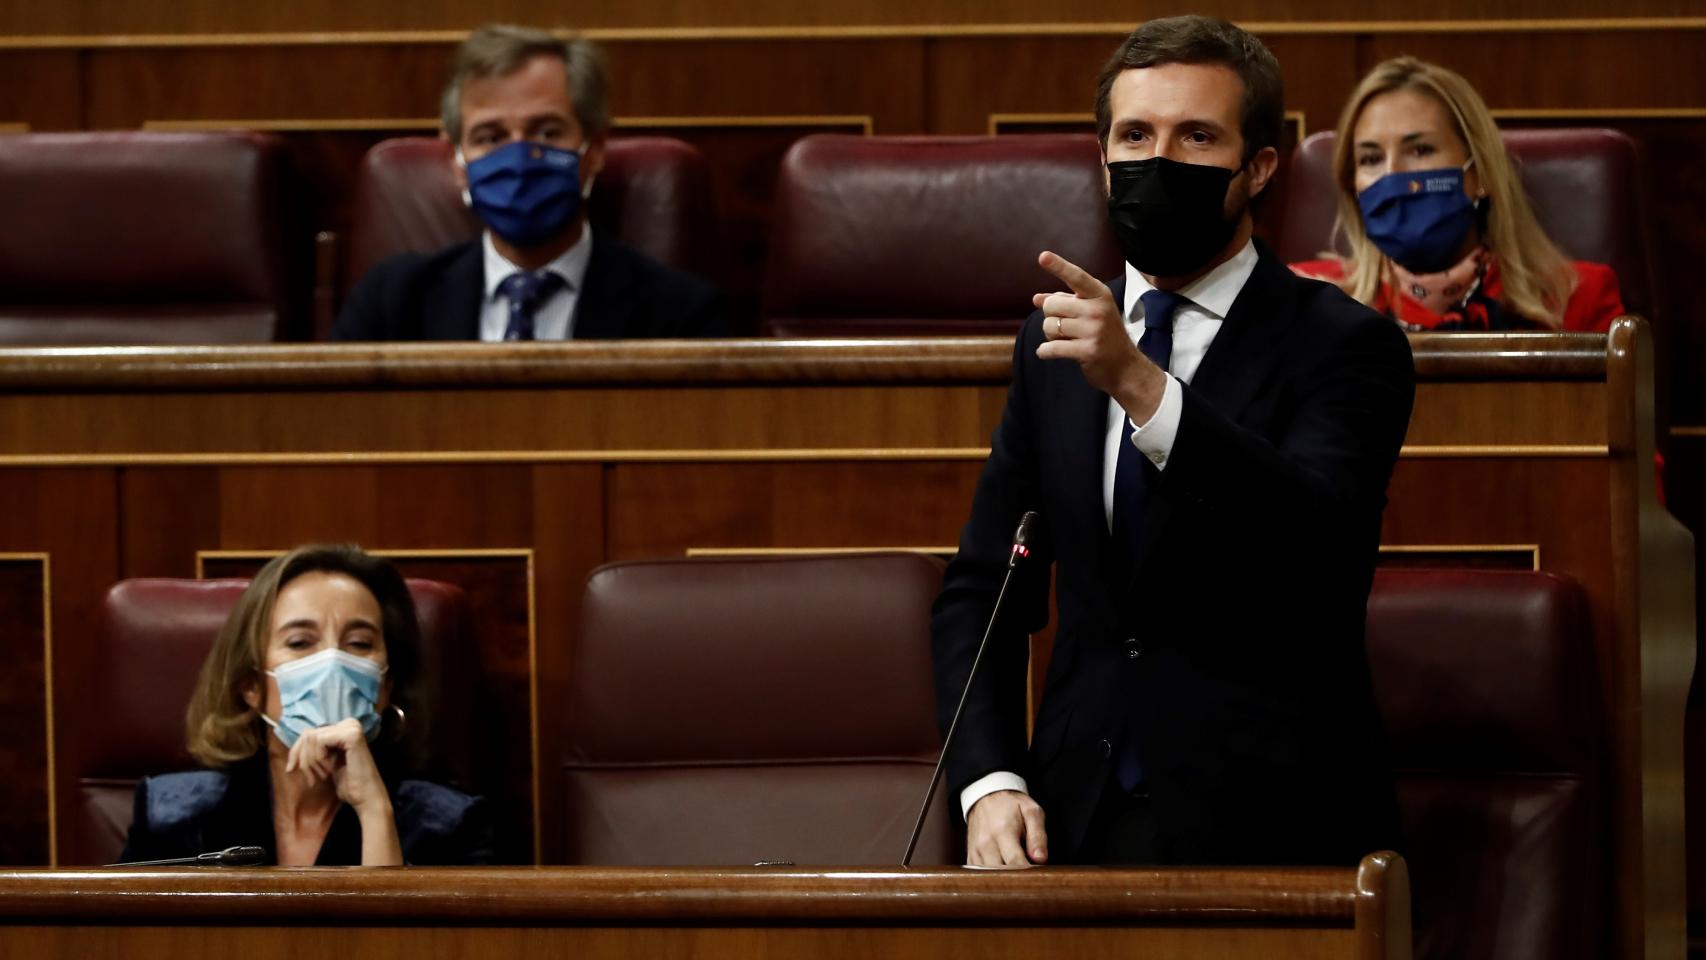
x: 1419, y: 219
x: 323, y: 689
x: 526, y: 192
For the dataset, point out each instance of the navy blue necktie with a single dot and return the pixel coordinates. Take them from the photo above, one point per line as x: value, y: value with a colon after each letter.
x: 1134, y: 476
x: 525, y: 292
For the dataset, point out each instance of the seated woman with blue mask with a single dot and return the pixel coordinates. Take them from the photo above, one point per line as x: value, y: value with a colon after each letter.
x: 1440, y: 235
x: 297, y: 712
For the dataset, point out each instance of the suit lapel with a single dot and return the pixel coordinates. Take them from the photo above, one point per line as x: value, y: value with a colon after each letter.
x: 603, y: 309
x: 452, y: 310
x: 1244, y: 352
x: 1241, y: 358
x: 1084, y: 427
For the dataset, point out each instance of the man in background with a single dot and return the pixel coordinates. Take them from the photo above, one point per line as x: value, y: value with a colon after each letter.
x: 529, y: 118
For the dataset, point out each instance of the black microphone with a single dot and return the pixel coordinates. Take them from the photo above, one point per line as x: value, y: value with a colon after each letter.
x: 229, y: 857
x: 1021, y: 550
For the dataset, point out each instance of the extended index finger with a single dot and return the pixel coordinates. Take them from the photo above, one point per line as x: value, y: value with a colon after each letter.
x: 1074, y: 276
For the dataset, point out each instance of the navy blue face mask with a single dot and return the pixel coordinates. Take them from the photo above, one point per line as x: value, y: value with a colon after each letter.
x: 1420, y: 218
x: 526, y: 192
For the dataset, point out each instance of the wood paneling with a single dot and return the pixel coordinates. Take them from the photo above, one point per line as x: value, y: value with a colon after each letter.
x: 42, y: 89
x: 665, y: 509
x: 24, y: 586
x: 70, y: 515
x: 1516, y: 440
x: 213, y: 16
x: 1274, y: 914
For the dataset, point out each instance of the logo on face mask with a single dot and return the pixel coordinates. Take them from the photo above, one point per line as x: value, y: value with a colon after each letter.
x: 526, y: 192
x: 323, y: 689
x: 1169, y: 217
x: 1418, y: 220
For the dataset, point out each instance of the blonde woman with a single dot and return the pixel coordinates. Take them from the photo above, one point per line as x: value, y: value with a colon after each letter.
x: 294, y: 713
x: 1439, y: 232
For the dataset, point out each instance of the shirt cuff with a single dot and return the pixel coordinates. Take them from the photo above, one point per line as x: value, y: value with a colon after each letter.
x: 1155, y: 438
x: 986, y: 785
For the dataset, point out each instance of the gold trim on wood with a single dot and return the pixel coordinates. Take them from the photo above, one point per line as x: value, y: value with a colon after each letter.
x: 856, y: 32
x: 477, y: 553
x: 295, y: 126
x: 707, y: 552
x: 701, y: 455
x: 1688, y: 431
x: 362, y: 458
x: 996, y: 120
x: 1469, y: 450
x: 865, y: 122
x: 14, y: 128
x: 1599, y: 113
x: 1532, y: 549
x: 46, y: 561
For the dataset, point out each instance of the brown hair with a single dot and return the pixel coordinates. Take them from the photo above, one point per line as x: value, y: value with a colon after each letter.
x: 1536, y: 275
x: 1197, y: 39
x: 221, y: 728
x: 497, y: 50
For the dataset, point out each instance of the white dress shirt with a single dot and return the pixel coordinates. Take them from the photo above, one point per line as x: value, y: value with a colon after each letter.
x: 1194, y: 325
x: 553, y: 318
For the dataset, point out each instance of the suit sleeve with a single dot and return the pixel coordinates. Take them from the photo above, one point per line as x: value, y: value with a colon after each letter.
x: 991, y: 735
x: 362, y: 317
x: 142, y: 842
x: 704, y: 316
x: 1329, y: 464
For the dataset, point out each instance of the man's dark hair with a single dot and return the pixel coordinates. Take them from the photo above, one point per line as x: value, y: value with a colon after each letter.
x: 1196, y: 39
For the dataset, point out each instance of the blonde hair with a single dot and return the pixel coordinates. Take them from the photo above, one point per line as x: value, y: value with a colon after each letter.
x: 220, y: 726
x: 1537, y: 277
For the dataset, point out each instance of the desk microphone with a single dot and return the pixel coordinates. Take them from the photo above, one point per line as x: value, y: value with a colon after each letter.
x: 1021, y: 550
x: 229, y: 857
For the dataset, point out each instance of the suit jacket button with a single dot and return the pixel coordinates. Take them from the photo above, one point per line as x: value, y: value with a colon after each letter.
x: 1133, y: 648
x: 1107, y: 749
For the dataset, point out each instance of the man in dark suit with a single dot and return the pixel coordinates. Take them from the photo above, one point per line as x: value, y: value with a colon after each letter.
x: 529, y: 118
x: 1208, y: 443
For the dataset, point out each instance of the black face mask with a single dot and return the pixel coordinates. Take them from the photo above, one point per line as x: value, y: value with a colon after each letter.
x: 1169, y: 217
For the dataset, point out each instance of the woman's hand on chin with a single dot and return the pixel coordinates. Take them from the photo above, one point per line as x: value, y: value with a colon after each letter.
x: 338, y: 752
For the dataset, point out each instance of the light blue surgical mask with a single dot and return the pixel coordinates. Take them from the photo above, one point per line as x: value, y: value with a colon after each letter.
x: 324, y: 688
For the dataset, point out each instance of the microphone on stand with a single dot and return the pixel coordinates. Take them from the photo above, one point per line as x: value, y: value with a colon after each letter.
x: 229, y: 857
x: 1021, y: 550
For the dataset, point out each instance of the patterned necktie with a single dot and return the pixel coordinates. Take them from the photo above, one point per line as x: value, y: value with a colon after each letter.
x: 1134, y: 476
x: 525, y: 292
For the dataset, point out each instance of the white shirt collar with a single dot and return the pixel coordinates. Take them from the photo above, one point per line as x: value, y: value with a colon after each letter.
x: 571, y: 264
x: 1213, y: 292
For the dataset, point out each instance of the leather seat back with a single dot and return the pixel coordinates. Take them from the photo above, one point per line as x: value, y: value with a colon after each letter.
x: 1486, y: 682
x: 731, y: 711
x: 898, y: 236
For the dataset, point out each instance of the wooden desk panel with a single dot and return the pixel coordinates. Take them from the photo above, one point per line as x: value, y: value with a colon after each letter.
x: 1360, y: 913
x: 132, y: 460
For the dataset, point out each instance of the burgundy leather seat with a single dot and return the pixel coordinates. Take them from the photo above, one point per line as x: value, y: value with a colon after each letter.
x: 1585, y: 185
x: 654, y: 196
x: 731, y: 711
x: 131, y: 237
x: 157, y: 633
x: 899, y: 236
x: 1486, y: 682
